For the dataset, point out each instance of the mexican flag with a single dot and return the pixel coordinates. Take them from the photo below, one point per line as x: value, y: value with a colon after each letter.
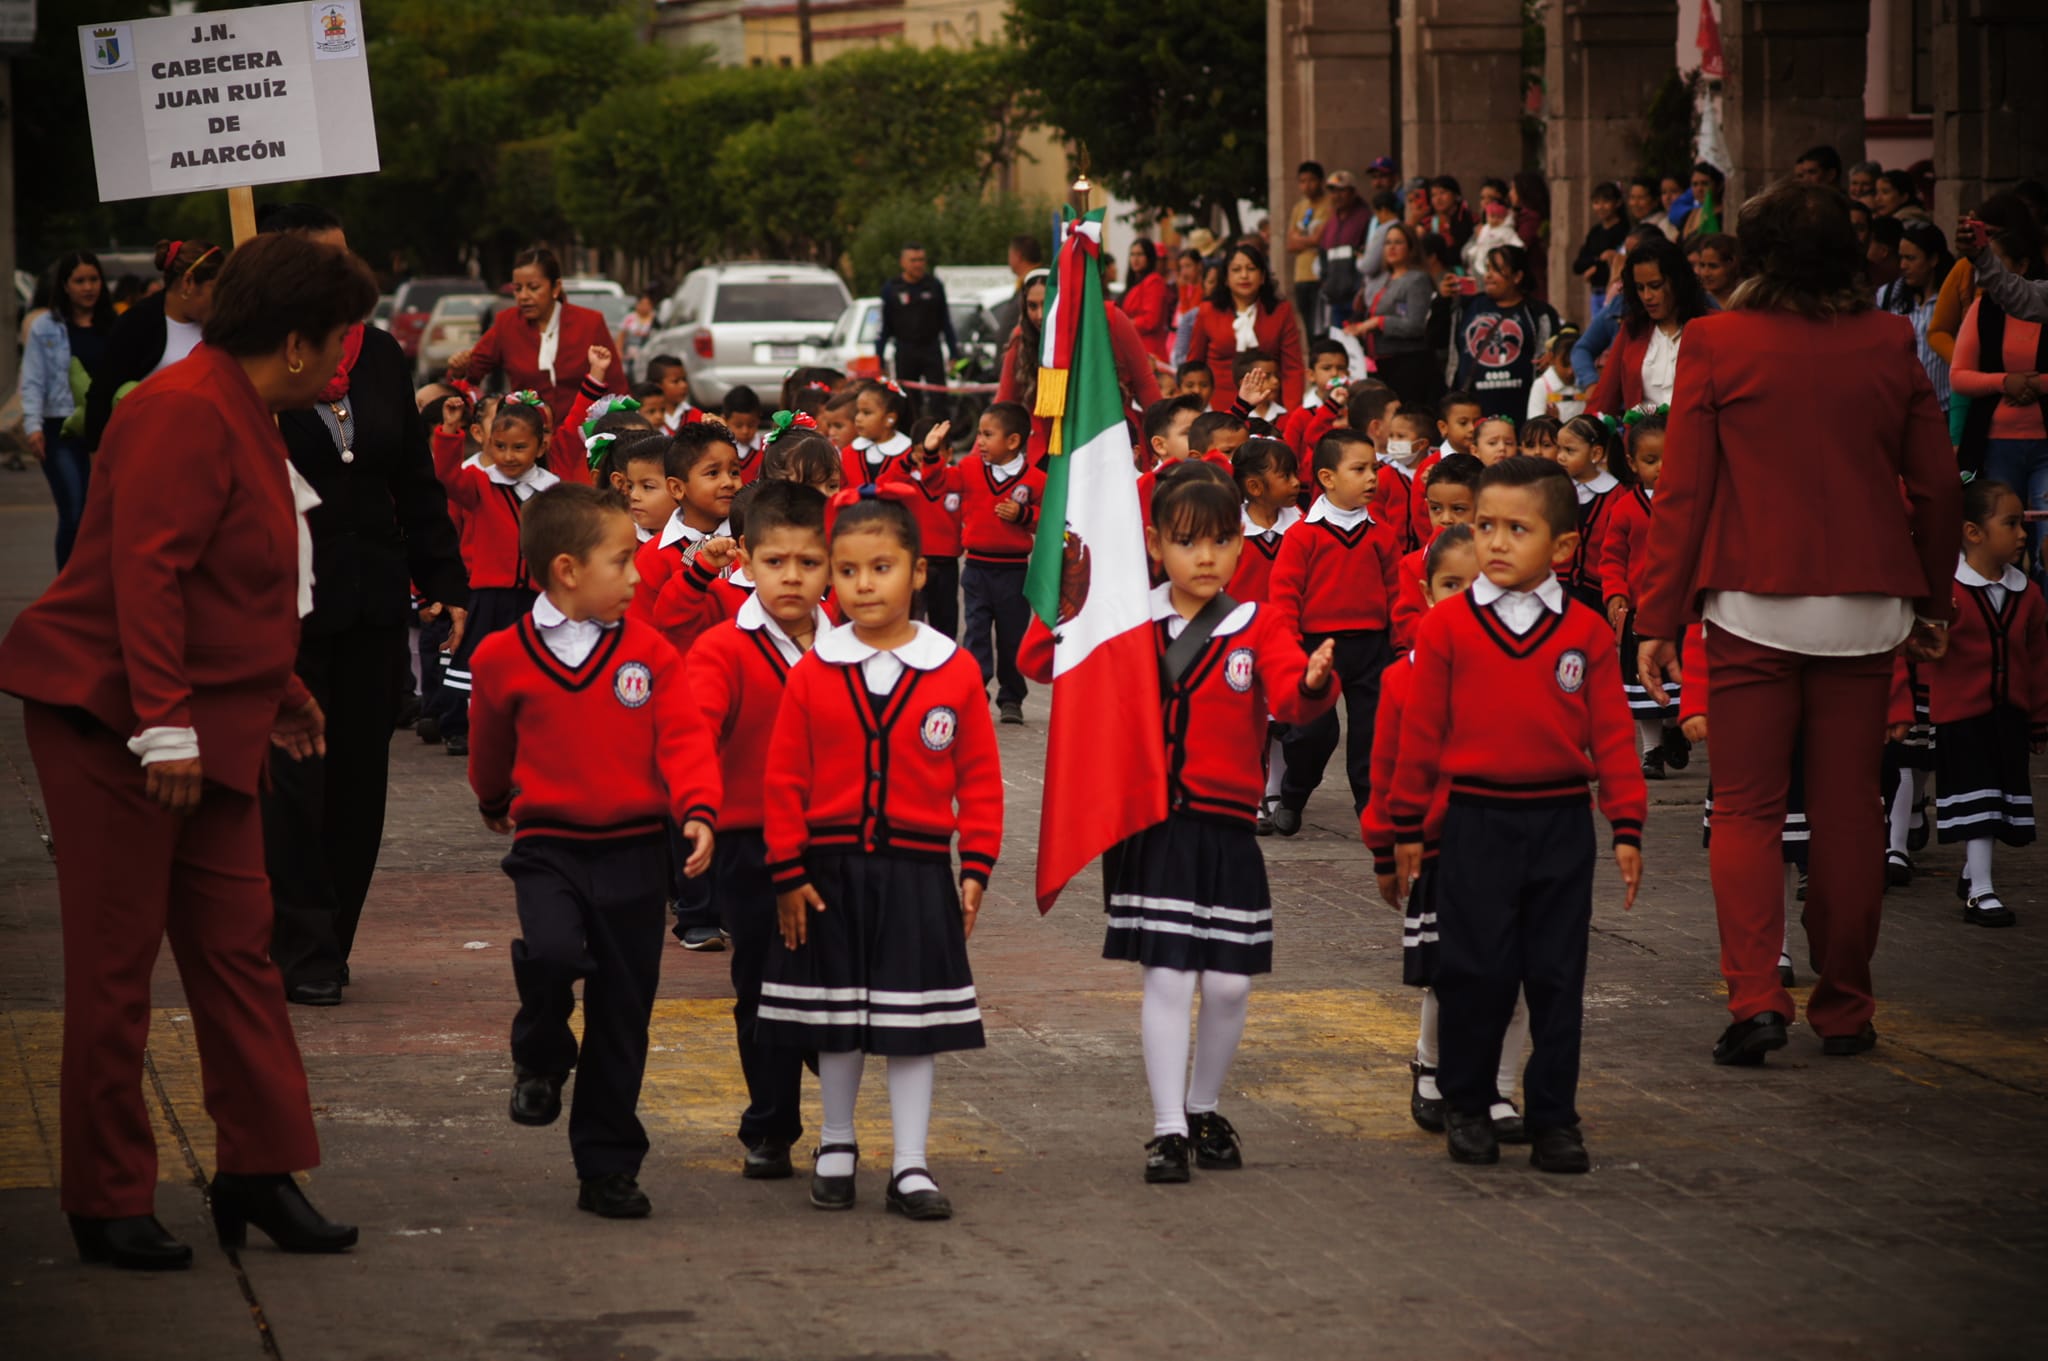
x: 1105, y: 756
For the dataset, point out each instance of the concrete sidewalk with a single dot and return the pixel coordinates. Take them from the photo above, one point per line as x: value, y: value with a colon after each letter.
x: 1885, y: 1206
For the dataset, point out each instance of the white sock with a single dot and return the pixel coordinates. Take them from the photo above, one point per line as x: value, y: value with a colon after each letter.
x: 1791, y: 899
x: 1977, y: 865
x: 1163, y: 1026
x: 1512, y: 1043
x: 1425, y: 1047
x: 910, y: 1115
x: 1276, y: 769
x: 838, y: 1091
x: 1904, y: 806
x: 1226, y: 997
x: 1649, y: 735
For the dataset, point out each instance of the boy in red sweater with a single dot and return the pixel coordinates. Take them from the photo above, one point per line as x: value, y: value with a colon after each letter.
x: 585, y: 746
x: 1166, y: 429
x: 1336, y: 577
x: 1174, y: 440
x: 1452, y: 495
x: 1322, y: 406
x: 1457, y: 421
x: 1513, y: 890
x: 736, y: 674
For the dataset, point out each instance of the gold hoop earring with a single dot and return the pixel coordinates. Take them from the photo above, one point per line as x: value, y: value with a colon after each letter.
x: 296, y: 366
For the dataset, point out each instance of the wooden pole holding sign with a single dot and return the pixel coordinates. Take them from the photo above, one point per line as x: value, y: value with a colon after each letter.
x: 242, y: 212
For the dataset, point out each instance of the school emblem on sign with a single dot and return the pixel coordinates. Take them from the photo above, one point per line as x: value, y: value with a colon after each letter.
x: 1238, y: 669
x: 940, y: 727
x: 634, y: 684
x: 111, y: 50
x: 1571, y: 671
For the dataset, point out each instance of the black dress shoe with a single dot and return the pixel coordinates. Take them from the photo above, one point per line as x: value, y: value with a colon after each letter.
x: 1510, y: 1129
x: 276, y: 1205
x: 135, y: 1243
x: 1216, y: 1144
x: 1166, y: 1159
x: 1677, y: 750
x: 1471, y: 1138
x: 1653, y: 764
x: 1286, y: 821
x: 428, y: 728
x: 457, y: 746
x: 536, y: 1097
x: 1559, y: 1150
x: 1898, y: 869
x: 314, y: 994
x: 833, y: 1193
x: 1848, y: 1046
x: 1787, y: 978
x: 1427, y: 1110
x: 1744, y: 1044
x: 916, y: 1204
x: 1984, y: 909
x: 344, y: 973
x: 616, y: 1196
x: 767, y: 1160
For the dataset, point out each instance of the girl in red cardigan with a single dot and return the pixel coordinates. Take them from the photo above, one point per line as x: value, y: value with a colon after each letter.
x: 1148, y: 302
x: 1246, y: 313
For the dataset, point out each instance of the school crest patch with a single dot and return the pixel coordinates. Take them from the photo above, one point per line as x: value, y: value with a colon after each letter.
x: 1571, y: 671
x: 941, y: 725
x: 633, y: 684
x: 1021, y: 494
x: 1238, y: 669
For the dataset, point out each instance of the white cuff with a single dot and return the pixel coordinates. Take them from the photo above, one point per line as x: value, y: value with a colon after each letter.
x: 165, y: 744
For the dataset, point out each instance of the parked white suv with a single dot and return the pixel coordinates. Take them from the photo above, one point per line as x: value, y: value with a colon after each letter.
x: 746, y: 324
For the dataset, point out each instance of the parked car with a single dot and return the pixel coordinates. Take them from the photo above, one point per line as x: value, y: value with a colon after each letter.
x: 581, y: 289
x: 455, y: 324
x: 414, y: 299
x: 746, y: 323
x: 380, y: 315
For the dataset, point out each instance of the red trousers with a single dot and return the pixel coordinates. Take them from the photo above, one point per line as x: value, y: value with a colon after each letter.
x: 128, y: 872
x: 1761, y: 705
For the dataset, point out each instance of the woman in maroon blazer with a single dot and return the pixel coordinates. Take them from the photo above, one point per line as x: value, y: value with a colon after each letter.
x: 542, y: 341
x: 157, y: 675
x: 1798, y: 415
x: 1247, y: 314
x: 1660, y: 296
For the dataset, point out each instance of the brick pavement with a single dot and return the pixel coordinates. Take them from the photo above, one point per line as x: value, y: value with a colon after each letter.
x: 1886, y: 1206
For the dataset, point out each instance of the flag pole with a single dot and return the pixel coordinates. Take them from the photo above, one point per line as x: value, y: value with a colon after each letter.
x: 242, y: 212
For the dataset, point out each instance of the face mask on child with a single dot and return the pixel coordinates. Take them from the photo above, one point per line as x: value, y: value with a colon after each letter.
x: 1403, y: 452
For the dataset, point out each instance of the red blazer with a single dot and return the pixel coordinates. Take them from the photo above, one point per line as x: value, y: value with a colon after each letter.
x: 1621, y: 379
x: 1215, y: 344
x: 179, y: 607
x: 1150, y: 308
x: 1845, y: 402
x: 513, y: 345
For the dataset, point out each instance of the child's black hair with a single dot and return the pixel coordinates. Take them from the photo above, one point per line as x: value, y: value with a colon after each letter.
x: 1258, y: 427
x: 1538, y: 428
x: 1416, y: 419
x: 1652, y: 424
x: 1366, y: 401
x: 1192, y: 366
x: 568, y: 517
x: 694, y: 442
x: 1326, y: 346
x: 1552, y: 484
x: 1981, y: 496
x: 534, y: 418
x: 1208, y: 425
x: 770, y: 506
x: 893, y: 400
x: 1455, y: 470
x: 1597, y: 433
x: 1010, y: 417
x: 650, y: 447
x: 873, y: 511
x: 1330, y: 448
x: 659, y: 366
x: 1447, y: 538
x: 1456, y: 397
x: 741, y: 401
x: 809, y: 381
x: 919, y: 428
x: 1242, y: 364
x: 845, y: 397
x: 642, y: 391
x: 1159, y: 416
x: 1259, y: 457
x: 1195, y: 498
x: 801, y: 456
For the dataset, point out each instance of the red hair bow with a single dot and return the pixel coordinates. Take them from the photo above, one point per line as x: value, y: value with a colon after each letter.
x: 847, y: 497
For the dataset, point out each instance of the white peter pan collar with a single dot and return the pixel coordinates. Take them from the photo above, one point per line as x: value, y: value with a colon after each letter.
x: 927, y: 650
x: 1176, y: 622
x: 1281, y: 522
x: 1586, y: 491
x: 1322, y: 510
x: 675, y: 529
x: 2013, y: 578
x: 875, y: 455
x: 525, y: 486
x: 754, y: 618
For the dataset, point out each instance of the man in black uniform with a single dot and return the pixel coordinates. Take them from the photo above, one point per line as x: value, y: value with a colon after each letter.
x: 916, y: 317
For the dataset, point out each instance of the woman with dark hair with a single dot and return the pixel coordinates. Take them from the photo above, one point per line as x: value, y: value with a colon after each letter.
x: 1999, y: 360
x: 1660, y: 297
x: 157, y: 331
x: 1709, y: 201
x: 1529, y: 193
x: 1247, y: 313
x: 66, y: 346
x: 157, y: 675
x: 1147, y: 301
x: 1895, y: 194
x: 1802, y: 611
x: 1396, y: 318
x: 1924, y: 261
x: 1502, y: 336
x: 542, y: 342
x: 1018, y: 381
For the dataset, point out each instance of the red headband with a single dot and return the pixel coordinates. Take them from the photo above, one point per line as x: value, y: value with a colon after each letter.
x: 847, y: 497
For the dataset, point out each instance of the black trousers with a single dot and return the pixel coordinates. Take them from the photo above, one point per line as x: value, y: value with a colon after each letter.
x: 433, y: 661
x: 590, y: 910
x: 774, y: 1074
x: 942, y: 595
x: 1514, y: 905
x: 1360, y: 660
x: 695, y: 905
x: 323, y: 818
x: 923, y: 366
x: 997, y: 615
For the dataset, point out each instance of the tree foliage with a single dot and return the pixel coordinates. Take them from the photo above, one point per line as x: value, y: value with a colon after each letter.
x: 957, y: 227
x: 1167, y: 98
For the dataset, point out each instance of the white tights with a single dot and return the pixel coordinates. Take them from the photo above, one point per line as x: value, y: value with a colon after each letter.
x: 1512, y: 1043
x: 910, y: 1111
x: 1163, y: 1026
x: 1906, y: 806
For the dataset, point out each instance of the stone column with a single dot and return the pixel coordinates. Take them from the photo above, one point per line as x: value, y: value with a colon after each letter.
x: 1990, y: 100
x: 1796, y: 71
x: 1603, y: 63
x: 1329, y: 89
x: 1461, y: 89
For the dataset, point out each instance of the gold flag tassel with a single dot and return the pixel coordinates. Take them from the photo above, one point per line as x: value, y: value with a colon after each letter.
x: 1052, y: 401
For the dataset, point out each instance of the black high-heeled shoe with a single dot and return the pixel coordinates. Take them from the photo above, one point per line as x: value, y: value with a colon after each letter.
x: 276, y: 1205
x: 135, y: 1243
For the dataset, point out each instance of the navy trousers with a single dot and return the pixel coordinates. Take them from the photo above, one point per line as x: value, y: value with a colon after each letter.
x: 774, y: 1074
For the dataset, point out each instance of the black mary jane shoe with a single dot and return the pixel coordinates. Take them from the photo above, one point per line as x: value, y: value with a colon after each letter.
x: 536, y: 1097
x: 1744, y: 1044
x: 1560, y: 1150
x: 833, y: 1193
x: 767, y: 1160
x: 1787, y: 976
x: 1984, y: 909
x: 1217, y: 1148
x: 1509, y: 1128
x: 276, y: 1205
x: 133, y: 1243
x: 1427, y: 1110
x: 1916, y: 837
x: 1166, y: 1159
x: 1653, y: 764
x: 1849, y: 1046
x: 616, y: 1195
x: 1898, y: 869
x: 930, y: 1204
x: 1677, y: 749
x: 1471, y: 1138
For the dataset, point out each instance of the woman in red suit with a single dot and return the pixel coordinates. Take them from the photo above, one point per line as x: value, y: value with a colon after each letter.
x: 1247, y: 314
x: 1660, y: 297
x: 543, y: 341
x: 1148, y: 302
x: 157, y: 675
x: 1801, y: 394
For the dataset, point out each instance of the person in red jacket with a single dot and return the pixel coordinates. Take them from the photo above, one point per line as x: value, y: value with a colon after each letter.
x: 1514, y: 883
x: 542, y: 341
x: 1336, y: 579
x: 1246, y: 313
x: 883, y: 733
x: 1452, y: 495
x: 1322, y: 404
x: 1148, y: 302
x: 1584, y: 446
x: 1263, y: 470
x: 1659, y: 736
x: 586, y: 745
x: 736, y: 673
x: 702, y: 472
x: 1398, y: 498
x: 1187, y: 898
